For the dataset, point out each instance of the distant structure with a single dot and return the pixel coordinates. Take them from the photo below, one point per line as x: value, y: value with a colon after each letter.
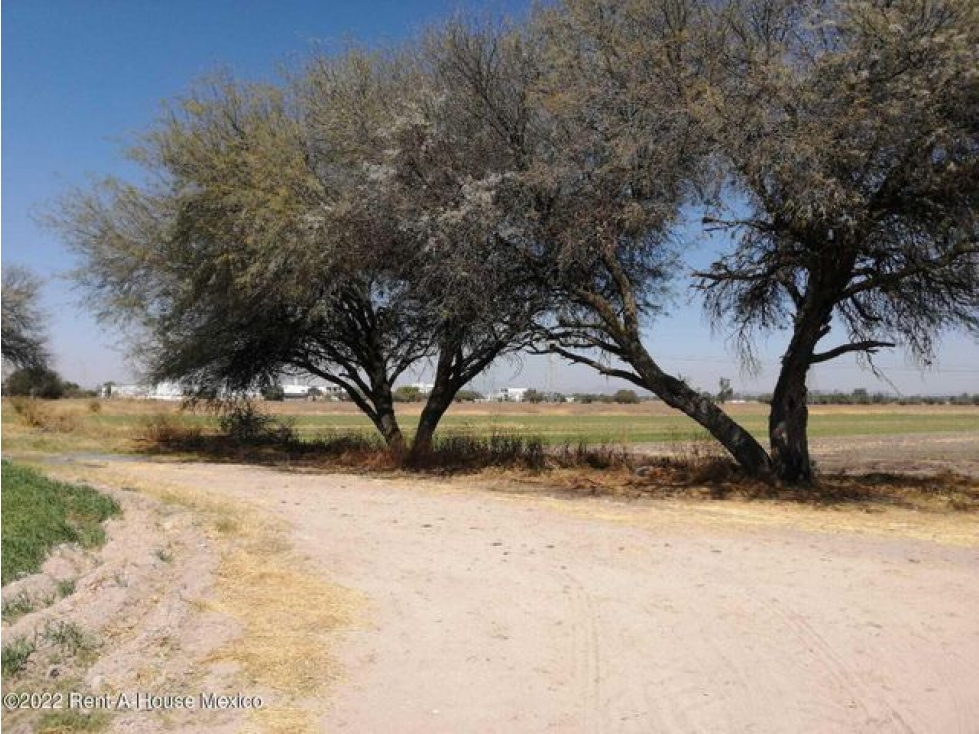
x: 299, y: 391
x: 159, y: 391
x: 174, y: 391
x: 167, y: 391
x: 295, y: 391
x: 510, y: 395
x: 423, y: 388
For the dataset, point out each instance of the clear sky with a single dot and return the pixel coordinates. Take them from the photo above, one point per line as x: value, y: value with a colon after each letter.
x: 82, y: 77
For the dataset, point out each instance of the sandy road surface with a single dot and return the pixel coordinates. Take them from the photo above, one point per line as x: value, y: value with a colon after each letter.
x: 498, y: 613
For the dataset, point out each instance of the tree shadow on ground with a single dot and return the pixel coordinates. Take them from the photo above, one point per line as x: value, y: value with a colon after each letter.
x: 520, y: 463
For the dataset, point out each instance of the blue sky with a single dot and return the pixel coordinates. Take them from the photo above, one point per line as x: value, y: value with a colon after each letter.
x: 81, y: 78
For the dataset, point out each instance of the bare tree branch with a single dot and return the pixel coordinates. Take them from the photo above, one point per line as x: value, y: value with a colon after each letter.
x: 869, y: 346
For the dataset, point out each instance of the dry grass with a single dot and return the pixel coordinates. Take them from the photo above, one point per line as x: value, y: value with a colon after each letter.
x: 707, y: 474
x: 685, y: 464
x: 160, y: 430
x: 43, y: 415
x: 693, y: 467
x: 288, y: 615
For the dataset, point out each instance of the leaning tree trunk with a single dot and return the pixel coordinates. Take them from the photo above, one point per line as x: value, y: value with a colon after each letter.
x: 386, y: 421
x: 750, y: 455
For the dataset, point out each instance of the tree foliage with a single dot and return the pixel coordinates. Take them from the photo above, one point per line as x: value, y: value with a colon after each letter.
x: 302, y: 229
x: 37, y: 382
x: 22, y: 323
x: 622, y: 95
x: 851, y: 133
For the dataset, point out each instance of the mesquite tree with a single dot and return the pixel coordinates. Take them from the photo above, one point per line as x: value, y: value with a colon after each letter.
x: 22, y: 323
x: 443, y: 170
x: 336, y: 226
x: 257, y: 246
x: 852, y: 133
x: 621, y: 151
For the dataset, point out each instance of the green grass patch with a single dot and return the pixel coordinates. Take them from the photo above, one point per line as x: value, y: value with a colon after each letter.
x: 15, y: 654
x: 72, y: 720
x: 638, y: 428
x: 39, y: 514
x: 16, y: 607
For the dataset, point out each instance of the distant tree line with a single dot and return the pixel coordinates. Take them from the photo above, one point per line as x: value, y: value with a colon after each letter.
x: 862, y: 396
x: 491, y: 189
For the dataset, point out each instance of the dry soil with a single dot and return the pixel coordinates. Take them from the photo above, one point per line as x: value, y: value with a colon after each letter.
x: 482, y: 611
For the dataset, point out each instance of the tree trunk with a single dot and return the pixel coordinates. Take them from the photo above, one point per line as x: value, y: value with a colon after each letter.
x: 386, y: 421
x: 788, y: 419
x: 788, y: 424
x: 745, y: 449
x: 387, y: 424
x: 438, y: 402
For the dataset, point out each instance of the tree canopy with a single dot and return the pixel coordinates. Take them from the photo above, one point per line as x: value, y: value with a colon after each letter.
x: 494, y: 188
x: 852, y: 137
x: 334, y: 227
x: 22, y: 323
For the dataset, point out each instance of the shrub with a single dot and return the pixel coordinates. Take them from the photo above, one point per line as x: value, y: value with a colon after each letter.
x: 35, y: 382
x: 242, y: 421
x: 627, y: 397
x: 162, y: 429
x: 37, y: 414
x: 274, y: 392
x: 15, y: 654
x: 407, y: 394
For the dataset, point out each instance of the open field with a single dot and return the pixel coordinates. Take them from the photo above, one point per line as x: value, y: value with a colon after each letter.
x: 117, y: 421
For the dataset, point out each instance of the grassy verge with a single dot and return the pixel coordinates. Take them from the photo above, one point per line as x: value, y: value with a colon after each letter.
x: 39, y: 514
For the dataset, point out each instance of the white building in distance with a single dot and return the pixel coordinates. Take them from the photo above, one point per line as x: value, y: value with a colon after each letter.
x: 299, y: 391
x: 159, y: 391
x: 510, y: 394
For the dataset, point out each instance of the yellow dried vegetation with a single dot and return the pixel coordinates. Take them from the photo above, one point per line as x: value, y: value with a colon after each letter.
x: 288, y: 615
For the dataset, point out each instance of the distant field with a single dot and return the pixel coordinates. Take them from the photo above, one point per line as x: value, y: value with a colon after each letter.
x: 656, y: 423
x: 111, y: 424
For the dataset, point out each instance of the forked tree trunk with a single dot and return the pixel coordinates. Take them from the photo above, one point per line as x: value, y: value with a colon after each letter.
x: 438, y: 402
x: 452, y: 371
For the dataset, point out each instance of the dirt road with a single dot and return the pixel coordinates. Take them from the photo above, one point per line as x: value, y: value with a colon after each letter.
x: 488, y: 612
